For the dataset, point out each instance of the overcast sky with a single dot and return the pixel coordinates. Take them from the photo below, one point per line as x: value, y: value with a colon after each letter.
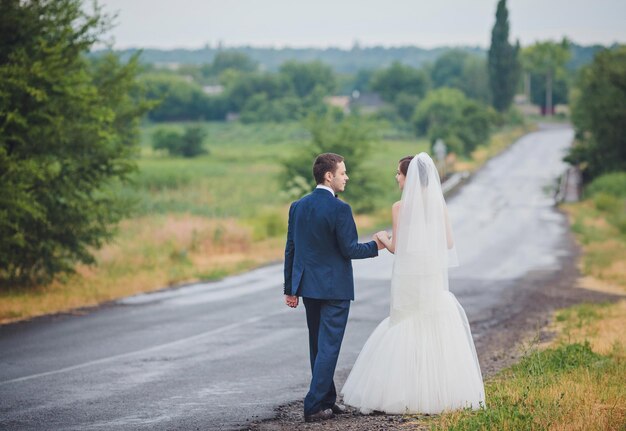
x: 339, y: 23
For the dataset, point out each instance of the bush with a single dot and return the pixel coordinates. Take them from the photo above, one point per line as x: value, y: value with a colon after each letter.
x: 351, y: 138
x: 606, y: 202
x: 187, y: 144
x: 613, y: 184
x: 447, y: 114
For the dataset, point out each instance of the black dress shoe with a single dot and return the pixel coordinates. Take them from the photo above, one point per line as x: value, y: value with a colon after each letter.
x: 322, y: 415
x: 339, y: 409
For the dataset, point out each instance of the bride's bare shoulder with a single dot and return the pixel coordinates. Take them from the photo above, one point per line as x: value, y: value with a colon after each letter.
x: 395, y: 207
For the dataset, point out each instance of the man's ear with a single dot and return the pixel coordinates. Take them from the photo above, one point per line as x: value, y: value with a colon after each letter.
x: 328, y: 176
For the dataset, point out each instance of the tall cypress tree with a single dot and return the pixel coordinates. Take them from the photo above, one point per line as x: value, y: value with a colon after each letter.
x: 504, y: 66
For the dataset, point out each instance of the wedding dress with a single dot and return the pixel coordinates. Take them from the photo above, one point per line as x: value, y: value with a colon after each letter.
x: 420, y: 359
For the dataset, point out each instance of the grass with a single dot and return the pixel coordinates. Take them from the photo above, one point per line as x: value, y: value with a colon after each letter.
x: 599, y: 223
x: 578, y: 380
x: 208, y: 217
x: 566, y: 387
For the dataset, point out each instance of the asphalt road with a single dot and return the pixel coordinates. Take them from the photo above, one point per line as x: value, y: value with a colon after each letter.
x: 220, y: 355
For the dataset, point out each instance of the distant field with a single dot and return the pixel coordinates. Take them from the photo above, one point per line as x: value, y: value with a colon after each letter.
x: 240, y: 174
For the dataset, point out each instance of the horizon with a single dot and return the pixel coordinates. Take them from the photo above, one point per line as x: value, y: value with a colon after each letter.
x: 340, y: 48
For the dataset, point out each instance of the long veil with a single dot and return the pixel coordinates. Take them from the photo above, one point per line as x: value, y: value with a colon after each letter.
x: 422, y: 358
x: 424, y: 243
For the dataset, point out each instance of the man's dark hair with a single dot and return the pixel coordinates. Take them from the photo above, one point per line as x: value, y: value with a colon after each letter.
x: 326, y: 162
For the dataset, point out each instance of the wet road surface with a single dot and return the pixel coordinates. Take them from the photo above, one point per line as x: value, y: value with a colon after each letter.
x: 220, y: 355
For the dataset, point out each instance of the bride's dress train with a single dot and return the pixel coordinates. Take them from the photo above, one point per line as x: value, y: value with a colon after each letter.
x: 421, y: 359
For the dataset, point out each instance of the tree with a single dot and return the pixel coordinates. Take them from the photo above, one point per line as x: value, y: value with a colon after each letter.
x: 349, y: 137
x: 225, y: 60
x: 475, y: 79
x: 399, y: 78
x: 503, y: 62
x: 305, y: 77
x: 599, y: 114
x: 447, y: 114
x: 548, y: 60
x: 259, y: 109
x: 246, y: 85
x: 559, y: 89
x: 448, y: 69
x: 405, y: 105
x: 180, y: 100
x: 462, y: 70
x: 68, y: 133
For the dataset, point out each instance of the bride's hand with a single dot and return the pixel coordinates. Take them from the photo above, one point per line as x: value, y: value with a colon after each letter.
x: 382, y: 235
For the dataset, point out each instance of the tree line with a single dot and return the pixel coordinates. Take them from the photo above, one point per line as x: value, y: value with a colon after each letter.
x: 343, y: 61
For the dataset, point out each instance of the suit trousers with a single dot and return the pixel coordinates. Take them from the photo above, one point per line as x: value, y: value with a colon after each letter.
x: 326, y: 320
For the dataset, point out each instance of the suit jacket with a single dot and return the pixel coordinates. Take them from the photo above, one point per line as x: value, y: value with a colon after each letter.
x: 321, y: 243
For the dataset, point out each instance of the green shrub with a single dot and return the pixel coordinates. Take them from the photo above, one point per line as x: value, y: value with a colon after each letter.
x: 188, y: 144
x: 613, y: 184
x: 606, y: 202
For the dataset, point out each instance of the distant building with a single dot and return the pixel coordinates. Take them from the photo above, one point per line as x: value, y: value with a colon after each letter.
x: 232, y: 116
x: 366, y: 102
x: 213, y: 90
x: 341, y: 102
x: 167, y: 65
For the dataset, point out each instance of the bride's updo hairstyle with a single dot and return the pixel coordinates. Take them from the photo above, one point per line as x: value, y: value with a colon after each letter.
x: 404, y: 164
x: 421, y: 166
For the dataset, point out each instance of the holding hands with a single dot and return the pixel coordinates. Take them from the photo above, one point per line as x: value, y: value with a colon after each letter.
x: 382, y: 239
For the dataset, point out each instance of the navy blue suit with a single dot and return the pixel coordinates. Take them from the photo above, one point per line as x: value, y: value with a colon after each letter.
x: 321, y: 243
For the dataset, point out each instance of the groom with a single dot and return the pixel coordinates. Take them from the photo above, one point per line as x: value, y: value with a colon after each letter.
x: 321, y: 242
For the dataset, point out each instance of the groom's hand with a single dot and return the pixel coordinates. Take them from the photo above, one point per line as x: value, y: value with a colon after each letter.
x: 379, y: 244
x: 291, y: 301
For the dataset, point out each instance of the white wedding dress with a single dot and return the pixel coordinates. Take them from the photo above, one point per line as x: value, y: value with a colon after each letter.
x: 420, y: 359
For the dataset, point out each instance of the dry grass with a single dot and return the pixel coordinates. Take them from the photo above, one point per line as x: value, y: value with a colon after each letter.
x: 604, y: 260
x: 154, y: 252
x: 149, y: 253
x: 602, y: 326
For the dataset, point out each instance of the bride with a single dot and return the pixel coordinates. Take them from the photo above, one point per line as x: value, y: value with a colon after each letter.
x: 420, y: 359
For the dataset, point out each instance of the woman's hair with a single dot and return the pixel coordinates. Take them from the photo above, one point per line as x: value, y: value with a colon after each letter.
x: 326, y: 162
x: 422, y: 169
x: 404, y: 164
